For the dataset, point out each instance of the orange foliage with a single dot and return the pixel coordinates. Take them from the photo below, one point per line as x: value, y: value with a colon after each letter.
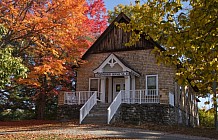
x: 52, y: 35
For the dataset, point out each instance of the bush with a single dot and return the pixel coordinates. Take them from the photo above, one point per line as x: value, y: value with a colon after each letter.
x: 206, y: 118
x: 17, y: 114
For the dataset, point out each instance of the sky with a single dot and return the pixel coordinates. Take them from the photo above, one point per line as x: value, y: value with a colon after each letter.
x: 110, y: 4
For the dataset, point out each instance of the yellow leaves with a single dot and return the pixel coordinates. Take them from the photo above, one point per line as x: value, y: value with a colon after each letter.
x: 180, y: 81
x: 55, y: 52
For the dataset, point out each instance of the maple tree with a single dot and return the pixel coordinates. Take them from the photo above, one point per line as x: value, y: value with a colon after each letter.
x: 50, y: 37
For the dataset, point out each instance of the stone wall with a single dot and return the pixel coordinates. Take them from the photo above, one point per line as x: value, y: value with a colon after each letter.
x: 68, y: 112
x: 145, y: 113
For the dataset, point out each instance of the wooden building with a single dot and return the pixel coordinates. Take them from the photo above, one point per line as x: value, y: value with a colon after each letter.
x: 120, y: 83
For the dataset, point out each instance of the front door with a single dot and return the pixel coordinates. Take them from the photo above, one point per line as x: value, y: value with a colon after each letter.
x: 118, y: 84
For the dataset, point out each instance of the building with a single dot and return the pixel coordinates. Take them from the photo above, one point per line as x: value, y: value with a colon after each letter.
x: 127, y: 84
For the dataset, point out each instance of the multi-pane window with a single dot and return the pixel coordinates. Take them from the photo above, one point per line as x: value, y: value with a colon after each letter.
x: 152, y: 84
x: 94, y: 84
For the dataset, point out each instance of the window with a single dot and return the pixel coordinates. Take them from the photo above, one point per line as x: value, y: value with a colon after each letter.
x: 94, y: 84
x: 152, y: 84
x: 117, y: 87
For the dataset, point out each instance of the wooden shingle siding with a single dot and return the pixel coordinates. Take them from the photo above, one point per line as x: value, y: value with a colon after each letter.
x: 116, y: 39
x: 113, y: 39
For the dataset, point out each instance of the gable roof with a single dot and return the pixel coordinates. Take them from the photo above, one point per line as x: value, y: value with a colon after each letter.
x: 120, y: 18
x: 112, y: 59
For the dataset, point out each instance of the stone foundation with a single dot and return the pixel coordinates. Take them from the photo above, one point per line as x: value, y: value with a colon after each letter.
x: 137, y: 114
x: 145, y: 113
x: 68, y: 112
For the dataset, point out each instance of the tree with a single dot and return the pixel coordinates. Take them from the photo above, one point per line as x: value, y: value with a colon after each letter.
x: 50, y: 36
x: 10, y: 67
x: 188, y: 32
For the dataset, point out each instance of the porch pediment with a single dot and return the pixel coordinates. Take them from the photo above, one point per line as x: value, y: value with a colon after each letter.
x: 113, y: 66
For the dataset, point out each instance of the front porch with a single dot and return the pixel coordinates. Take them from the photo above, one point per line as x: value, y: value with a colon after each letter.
x: 89, y: 99
x: 127, y: 96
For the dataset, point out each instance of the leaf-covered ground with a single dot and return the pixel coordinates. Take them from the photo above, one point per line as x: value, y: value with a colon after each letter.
x: 197, y: 131
x: 20, y: 130
x: 53, y: 130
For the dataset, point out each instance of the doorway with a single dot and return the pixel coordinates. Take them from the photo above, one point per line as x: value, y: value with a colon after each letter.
x: 118, y: 85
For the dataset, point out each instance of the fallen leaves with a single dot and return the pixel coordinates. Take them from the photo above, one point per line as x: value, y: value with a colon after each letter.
x: 197, y: 131
x: 53, y: 130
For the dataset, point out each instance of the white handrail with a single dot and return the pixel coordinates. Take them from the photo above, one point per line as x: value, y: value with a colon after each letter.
x: 84, y: 111
x: 114, y: 106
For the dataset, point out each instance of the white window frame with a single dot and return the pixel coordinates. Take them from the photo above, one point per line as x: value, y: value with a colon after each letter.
x: 98, y: 83
x: 146, y: 83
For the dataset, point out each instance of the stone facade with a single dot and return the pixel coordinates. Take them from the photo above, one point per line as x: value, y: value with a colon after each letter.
x: 143, y: 61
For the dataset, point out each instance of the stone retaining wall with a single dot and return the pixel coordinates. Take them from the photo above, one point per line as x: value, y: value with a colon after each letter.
x: 68, y: 112
x: 145, y: 113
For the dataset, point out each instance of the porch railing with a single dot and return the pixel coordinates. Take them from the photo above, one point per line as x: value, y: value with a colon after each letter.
x: 84, y: 111
x: 78, y: 97
x: 140, y: 96
x: 114, y: 106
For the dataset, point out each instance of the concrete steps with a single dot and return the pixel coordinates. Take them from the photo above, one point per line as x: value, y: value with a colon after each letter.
x: 98, y: 115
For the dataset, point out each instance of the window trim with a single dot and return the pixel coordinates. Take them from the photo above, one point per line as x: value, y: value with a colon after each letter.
x: 90, y: 79
x: 146, y: 83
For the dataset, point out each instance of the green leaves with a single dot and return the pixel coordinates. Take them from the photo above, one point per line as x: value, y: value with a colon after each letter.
x: 187, y: 30
x: 10, y: 67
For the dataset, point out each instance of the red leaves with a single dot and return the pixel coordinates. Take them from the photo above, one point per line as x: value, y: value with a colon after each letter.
x: 96, y: 16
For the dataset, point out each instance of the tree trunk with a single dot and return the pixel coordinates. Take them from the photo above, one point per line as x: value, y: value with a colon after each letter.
x: 41, y: 100
x: 40, y: 106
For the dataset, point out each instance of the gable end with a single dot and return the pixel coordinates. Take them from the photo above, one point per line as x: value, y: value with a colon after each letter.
x: 113, y: 39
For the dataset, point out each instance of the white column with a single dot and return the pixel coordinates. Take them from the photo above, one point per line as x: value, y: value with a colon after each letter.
x: 103, y: 83
x: 133, y: 87
x: 110, y: 89
x: 127, y: 88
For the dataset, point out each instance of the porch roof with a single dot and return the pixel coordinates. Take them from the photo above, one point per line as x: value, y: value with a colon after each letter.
x: 111, y: 60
